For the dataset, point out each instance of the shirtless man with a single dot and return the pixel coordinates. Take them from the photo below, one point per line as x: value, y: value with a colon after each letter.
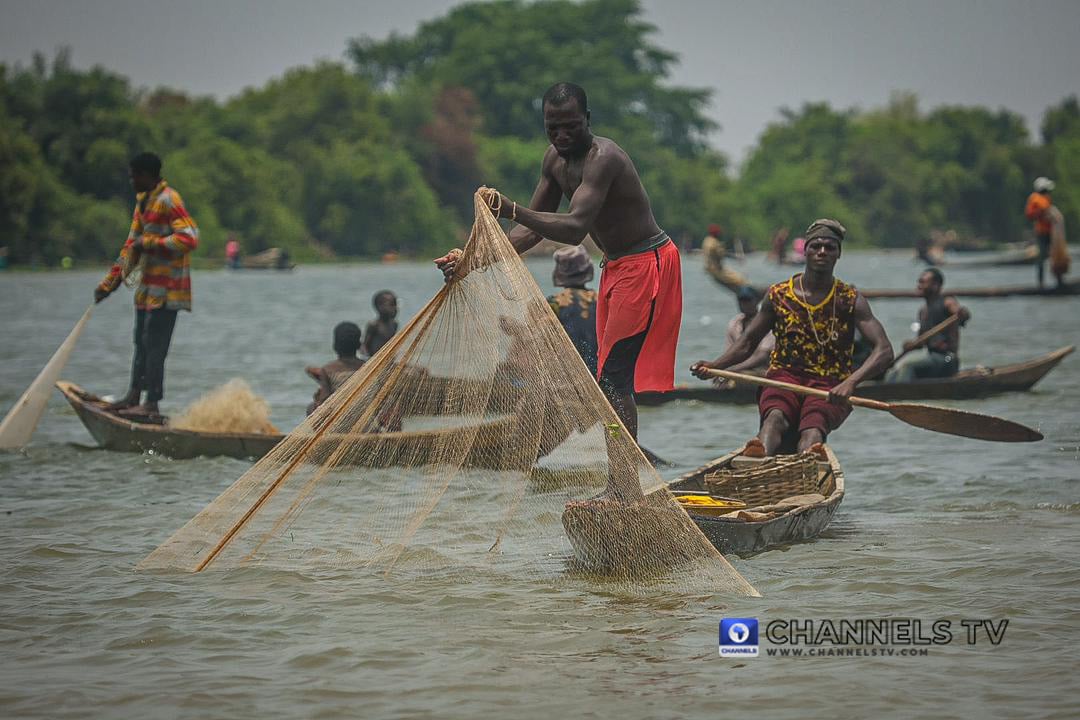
x: 639, y: 308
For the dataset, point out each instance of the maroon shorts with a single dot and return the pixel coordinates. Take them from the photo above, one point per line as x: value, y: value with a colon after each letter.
x: 803, y: 411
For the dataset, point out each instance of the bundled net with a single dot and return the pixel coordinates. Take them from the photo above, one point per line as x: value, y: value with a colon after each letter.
x: 472, y: 441
x: 233, y: 407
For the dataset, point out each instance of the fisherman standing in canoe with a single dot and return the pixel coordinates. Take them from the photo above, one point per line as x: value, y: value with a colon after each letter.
x: 159, y: 243
x: 813, y: 317
x: 639, y: 308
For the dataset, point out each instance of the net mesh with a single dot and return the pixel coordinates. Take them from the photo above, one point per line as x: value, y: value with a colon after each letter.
x: 475, y: 438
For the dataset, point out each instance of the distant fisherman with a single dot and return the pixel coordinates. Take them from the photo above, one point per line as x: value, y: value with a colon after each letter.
x: 942, y: 357
x: 159, y: 243
x: 813, y: 317
x: 749, y: 299
x: 575, y: 304
x: 1036, y: 210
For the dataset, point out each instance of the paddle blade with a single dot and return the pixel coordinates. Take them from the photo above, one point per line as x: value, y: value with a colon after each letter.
x: 963, y: 423
x: 19, y: 424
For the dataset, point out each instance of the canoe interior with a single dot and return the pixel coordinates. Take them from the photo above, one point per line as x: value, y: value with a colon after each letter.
x: 117, y: 433
x: 732, y: 534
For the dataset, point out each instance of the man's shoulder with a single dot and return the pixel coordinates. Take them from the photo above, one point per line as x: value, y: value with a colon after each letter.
x: 608, y: 150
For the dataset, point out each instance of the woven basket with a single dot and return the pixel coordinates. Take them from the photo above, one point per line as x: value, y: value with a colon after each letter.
x: 771, y: 481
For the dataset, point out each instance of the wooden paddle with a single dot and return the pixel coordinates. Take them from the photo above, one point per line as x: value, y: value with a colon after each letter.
x: 925, y: 337
x: 928, y: 417
x: 18, y: 426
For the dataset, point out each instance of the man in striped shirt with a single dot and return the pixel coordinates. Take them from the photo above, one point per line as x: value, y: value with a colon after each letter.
x: 161, y: 238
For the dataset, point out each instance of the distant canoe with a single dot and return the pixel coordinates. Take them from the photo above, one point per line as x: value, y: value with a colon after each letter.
x: 1067, y: 289
x: 271, y: 259
x: 966, y: 384
x: 117, y: 433
x: 1024, y: 256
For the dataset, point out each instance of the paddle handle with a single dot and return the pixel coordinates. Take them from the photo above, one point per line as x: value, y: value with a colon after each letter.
x: 801, y: 389
x: 925, y: 337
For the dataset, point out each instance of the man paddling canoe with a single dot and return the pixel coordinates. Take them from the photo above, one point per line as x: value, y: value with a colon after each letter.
x: 639, y: 308
x: 942, y: 357
x: 813, y: 316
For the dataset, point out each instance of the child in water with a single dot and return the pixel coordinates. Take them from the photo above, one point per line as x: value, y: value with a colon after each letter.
x: 380, y: 330
x: 335, y: 373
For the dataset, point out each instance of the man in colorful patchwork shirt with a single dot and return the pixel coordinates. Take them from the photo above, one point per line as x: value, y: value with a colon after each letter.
x: 161, y: 238
x: 813, y: 317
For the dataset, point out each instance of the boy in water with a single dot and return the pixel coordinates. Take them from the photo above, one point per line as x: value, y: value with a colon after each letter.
x: 335, y: 373
x: 380, y: 330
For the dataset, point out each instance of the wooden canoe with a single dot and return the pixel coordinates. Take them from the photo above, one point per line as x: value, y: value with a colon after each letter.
x: 1068, y: 289
x: 966, y: 384
x: 783, y: 524
x: 117, y: 433
x: 1022, y: 256
x: 607, y: 535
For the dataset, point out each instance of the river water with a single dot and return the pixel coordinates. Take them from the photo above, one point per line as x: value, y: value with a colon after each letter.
x: 933, y: 527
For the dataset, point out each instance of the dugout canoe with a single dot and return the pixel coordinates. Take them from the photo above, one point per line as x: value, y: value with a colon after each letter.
x: 114, y: 432
x: 1022, y: 256
x: 965, y: 385
x: 787, y: 499
x: 1066, y: 290
x: 783, y: 507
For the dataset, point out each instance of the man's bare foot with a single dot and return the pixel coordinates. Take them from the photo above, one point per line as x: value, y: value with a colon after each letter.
x: 754, y: 448
x: 128, y: 401
x: 144, y: 411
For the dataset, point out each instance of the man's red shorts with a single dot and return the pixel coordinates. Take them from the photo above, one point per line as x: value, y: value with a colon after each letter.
x: 638, y: 315
x: 802, y: 411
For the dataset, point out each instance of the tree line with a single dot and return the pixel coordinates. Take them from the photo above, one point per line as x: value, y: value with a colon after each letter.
x: 382, y: 152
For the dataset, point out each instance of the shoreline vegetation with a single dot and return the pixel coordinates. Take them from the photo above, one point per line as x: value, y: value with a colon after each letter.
x: 344, y: 162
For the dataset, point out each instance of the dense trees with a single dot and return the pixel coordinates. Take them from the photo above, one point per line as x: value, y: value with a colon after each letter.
x: 383, y: 154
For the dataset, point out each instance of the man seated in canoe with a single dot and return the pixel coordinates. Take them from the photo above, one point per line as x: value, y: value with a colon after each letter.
x: 942, y: 358
x: 813, y: 316
x: 749, y: 299
x: 334, y: 374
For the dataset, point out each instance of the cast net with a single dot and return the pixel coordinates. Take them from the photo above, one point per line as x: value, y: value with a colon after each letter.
x: 472, y: 440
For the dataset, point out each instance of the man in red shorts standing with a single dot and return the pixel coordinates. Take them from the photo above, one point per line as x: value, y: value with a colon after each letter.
x: 639, y: 307
x: 813, y: 316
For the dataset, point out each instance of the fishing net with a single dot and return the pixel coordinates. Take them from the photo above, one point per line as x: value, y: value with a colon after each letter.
x: 233, y: 407
x: 471, y: 442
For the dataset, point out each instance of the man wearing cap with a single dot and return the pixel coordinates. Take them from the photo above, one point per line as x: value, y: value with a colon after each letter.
x: 813, y: 316
x: 575, y: 304
x: 1036, y: 210
x: 748, y: 299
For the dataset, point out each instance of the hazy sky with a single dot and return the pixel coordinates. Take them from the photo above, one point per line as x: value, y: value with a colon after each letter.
x: 757, y: 57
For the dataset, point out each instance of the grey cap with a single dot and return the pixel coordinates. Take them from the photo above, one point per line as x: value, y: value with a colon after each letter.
x: 573, y: 266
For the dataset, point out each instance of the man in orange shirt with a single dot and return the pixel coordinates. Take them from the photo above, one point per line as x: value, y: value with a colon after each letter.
x: 1038, y: 203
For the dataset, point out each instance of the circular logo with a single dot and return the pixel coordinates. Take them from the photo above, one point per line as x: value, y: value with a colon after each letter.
x: 738, y: 633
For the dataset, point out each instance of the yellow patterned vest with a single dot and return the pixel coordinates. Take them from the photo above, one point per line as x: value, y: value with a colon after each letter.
x: 815, y: 340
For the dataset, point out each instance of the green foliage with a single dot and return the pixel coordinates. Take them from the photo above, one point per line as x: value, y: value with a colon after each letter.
x: 385, y: 154
x: 891, y: 175
x: 507, y: 53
